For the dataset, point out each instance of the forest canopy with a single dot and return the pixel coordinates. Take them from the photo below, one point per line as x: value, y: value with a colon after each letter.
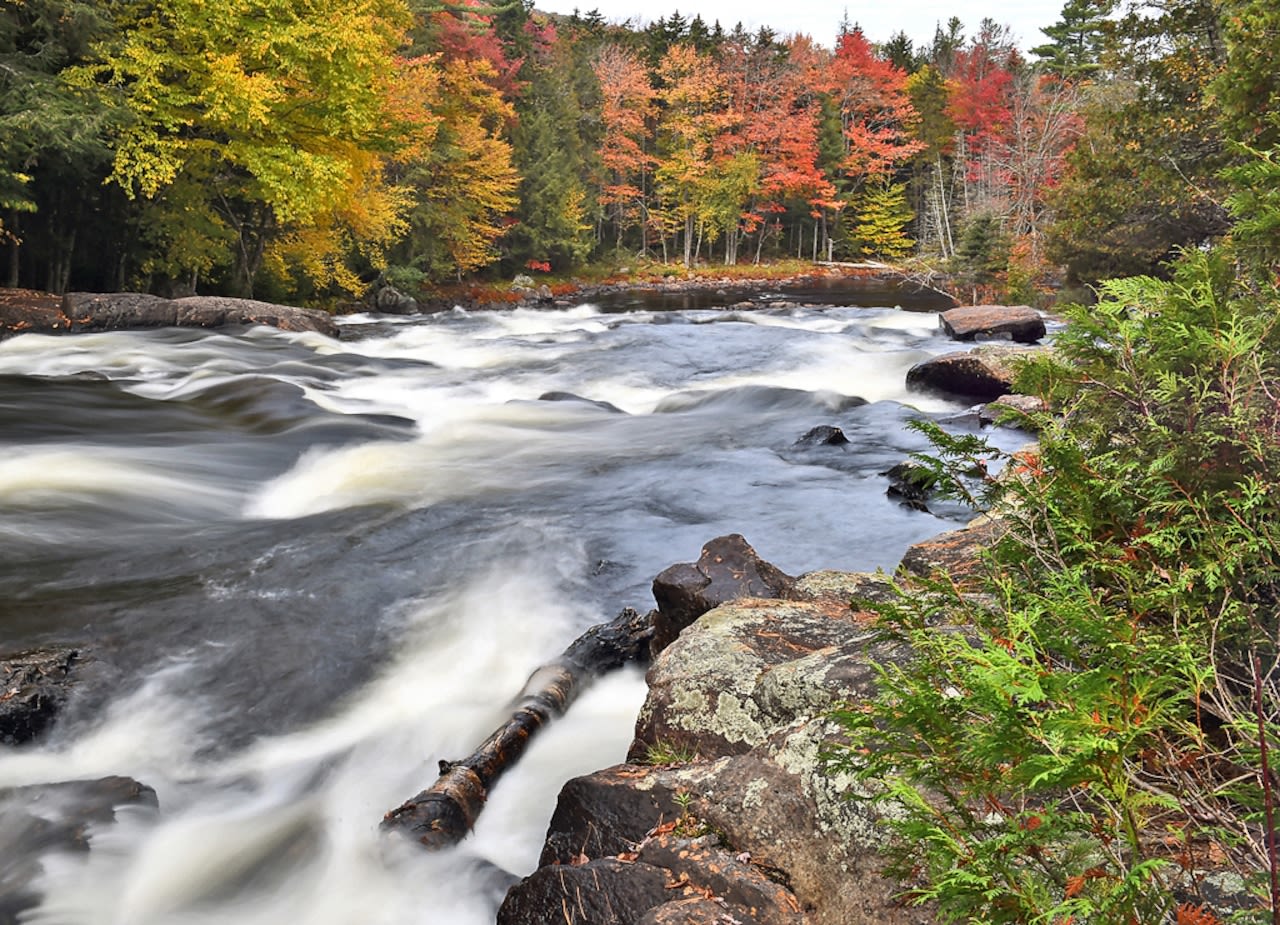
x: 299, y: 150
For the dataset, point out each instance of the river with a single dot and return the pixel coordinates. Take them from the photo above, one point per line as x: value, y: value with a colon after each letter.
x: 306, y: 569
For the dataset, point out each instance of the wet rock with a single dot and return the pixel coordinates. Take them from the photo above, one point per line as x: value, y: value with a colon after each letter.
x: 668, y: 879
x: 392, y: 301
x: 1019, y: 323
x: 823, y: 435
x: 34, y: 686
x: 728, y: 568
x: 744, y: 695
x: 54, y: 817
x: 571, y: 397
x: 957, y: 553
x: 605, y: 891
x: 983, y: 372
x: 607, y: 813
x: 912, y: 483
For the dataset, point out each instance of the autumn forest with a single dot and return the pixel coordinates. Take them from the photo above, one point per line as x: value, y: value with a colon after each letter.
x: 293, y: 149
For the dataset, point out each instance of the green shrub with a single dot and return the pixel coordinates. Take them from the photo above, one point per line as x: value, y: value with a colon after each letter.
x: 1079, y: 742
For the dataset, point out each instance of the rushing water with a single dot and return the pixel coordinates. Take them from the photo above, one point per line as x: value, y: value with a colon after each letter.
x: 306, y: 569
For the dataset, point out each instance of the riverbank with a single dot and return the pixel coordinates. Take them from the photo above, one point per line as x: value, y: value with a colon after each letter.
x: 736, y: 287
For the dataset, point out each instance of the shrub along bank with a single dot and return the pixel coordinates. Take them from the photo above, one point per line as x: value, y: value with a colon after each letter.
x: 1096, y: 743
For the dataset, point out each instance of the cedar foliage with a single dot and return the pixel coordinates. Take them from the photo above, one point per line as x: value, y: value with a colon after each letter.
x: 1079, y: 740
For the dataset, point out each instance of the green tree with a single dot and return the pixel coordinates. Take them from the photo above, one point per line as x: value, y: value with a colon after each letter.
x: 1143, y: 179
x: 53, y: 153
x: 1076, y: 734
x: 553, y: 210
x: 1076, y: 40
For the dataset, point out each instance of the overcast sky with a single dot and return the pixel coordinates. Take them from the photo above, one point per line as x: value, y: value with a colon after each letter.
x: 879, y: 19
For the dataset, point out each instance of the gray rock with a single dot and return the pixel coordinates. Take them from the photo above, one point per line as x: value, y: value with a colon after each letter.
x: 217, y: 311
x: 1019, y: 323
x: 394, y: 302
x: 983, y: 372
x: 823, y: 435
x: 747, y: 689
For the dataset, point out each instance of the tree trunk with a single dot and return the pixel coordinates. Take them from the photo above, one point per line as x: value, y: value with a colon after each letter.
x: 445, y: 812
x: 15, y: 244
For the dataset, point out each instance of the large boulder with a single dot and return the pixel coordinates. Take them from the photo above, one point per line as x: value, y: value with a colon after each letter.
x: 730, y: 738
x: 392, y: 301
x: 34, y: 685
x: 1019, y: 323
x: 985, y: 371
x: 728, y: 568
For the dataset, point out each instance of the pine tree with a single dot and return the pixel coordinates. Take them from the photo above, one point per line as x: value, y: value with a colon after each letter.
x: 1076, y: 40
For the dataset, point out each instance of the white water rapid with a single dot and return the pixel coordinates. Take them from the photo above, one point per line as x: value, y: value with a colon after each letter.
x: 303, y: 570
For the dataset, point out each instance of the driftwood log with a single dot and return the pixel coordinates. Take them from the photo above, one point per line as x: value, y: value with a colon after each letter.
x: 445, y: 812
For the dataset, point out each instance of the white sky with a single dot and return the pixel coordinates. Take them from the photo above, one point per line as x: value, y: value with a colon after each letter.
x: 821, y: 18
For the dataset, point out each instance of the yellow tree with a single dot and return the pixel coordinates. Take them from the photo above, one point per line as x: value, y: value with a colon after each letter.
x: 692, y: 94
x: 261, y: 117
x: 461, y: 178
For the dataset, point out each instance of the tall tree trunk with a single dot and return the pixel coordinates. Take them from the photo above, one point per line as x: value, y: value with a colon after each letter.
x: 688, y: 241
x: 14, y: 230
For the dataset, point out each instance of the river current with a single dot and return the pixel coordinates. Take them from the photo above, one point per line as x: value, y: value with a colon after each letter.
x: 306, y: 569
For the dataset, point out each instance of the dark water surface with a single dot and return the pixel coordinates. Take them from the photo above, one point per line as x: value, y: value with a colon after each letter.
x: 307, y: 569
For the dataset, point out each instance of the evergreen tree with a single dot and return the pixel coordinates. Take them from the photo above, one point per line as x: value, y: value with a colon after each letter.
x: 552, y: 218
x: 1076, y: 40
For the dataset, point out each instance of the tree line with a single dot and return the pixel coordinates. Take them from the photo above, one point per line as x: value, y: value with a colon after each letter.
x: 298, y: 150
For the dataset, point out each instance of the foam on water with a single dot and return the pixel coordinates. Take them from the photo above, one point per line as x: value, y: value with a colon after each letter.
x: 475, y: 527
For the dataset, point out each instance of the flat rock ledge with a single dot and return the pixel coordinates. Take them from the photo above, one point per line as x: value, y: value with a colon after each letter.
x: 1020, y: 323
x: 28, y: 312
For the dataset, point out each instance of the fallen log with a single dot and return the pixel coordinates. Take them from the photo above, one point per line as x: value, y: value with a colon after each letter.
x: 445, y: 812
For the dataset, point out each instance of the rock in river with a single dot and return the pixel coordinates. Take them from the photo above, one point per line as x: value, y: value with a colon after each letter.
x: 1019, y: 323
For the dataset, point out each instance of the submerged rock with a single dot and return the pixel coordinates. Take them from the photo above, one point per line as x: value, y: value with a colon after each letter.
x: 54, y: 817
x: 728, y: 568
x: 912, y: 483
x: 823, y: 435
x: 571, y: 397
x: 1019, y: 323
